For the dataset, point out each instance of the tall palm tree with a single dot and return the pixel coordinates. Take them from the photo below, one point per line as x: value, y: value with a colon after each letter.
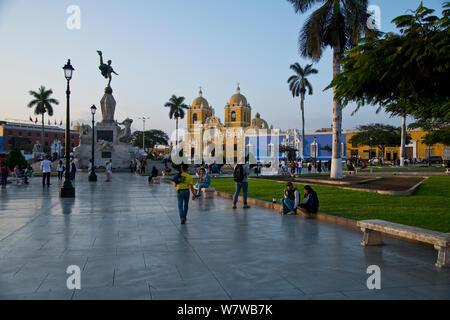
x: 42, y: 104
x: 298, y: 84
x: 177, y: 106
x: 338, y: 24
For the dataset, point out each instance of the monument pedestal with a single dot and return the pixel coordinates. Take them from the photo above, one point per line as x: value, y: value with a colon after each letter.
x: 111, y: 141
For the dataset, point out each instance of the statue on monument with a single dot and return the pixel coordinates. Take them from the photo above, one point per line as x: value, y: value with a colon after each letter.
x: 107, y: 71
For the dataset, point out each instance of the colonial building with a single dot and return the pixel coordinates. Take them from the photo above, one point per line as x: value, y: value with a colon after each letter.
x: 206, y: 136
x: 16, y: 135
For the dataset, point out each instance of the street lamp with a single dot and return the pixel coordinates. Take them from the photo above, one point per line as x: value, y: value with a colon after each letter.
x: 67, y: 190
x: 143, y: 131
x: 93, y: 176
x: 315, y: 151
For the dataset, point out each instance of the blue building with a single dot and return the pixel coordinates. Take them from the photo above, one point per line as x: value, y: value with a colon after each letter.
x: 262, y: 147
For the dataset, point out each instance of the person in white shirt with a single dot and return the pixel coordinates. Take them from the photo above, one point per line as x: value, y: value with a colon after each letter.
x: 60, y: 170
x: 108, y: 170
x: 46, y: 170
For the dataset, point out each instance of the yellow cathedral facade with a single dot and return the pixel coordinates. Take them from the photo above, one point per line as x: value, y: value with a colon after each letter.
x: 206, y: 136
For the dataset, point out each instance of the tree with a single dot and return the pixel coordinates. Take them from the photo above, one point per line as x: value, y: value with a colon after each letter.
x: 338, y: 24
x: 298, y: 84
x: 42, y: 104
x: 378, y: 135
x: 177, y: 107
x: 15, y: 157
x: 290, y: 151
x: 404, y: 73
x: 152, y: 138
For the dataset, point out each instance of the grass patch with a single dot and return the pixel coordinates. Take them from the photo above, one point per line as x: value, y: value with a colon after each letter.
x: 403, y: 169
x: 427, y: 208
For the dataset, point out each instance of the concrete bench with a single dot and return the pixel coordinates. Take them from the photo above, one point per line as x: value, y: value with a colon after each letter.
x: 350, y: 172
x: 208, y: 193
x: 374, y: 229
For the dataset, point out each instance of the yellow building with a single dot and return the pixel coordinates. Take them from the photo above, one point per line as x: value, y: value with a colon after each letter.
x: 415, y: 149
x: 206, y: 135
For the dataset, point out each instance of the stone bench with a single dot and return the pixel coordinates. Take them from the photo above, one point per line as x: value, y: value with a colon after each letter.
x: 208, y: 193
x: 373, y: 230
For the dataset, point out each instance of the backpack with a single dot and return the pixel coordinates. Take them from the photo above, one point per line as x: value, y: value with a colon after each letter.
x: 177, y: 178
x: 238, y: 173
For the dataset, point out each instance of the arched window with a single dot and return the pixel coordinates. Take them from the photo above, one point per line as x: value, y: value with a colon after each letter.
x: 194, y: 118
x: 233, y: 116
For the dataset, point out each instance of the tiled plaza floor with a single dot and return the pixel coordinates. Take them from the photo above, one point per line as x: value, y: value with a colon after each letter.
x: 126, y: 238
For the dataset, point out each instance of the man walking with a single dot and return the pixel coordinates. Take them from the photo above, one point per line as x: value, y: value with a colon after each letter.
x: 46, y: 170
x: 184, y: 184
x: 241, y: 172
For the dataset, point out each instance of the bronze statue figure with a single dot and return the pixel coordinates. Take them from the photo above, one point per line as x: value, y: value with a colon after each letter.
x: 106, y: 70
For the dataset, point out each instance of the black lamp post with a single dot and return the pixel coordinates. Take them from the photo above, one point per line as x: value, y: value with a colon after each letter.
x: 67, y: 190
x: 93, y: 176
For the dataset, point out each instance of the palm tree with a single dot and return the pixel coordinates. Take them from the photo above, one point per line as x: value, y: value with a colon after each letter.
x: 298, y: 83
x: 338, y: 24
x: 42, y: 104
x: 177, y: 106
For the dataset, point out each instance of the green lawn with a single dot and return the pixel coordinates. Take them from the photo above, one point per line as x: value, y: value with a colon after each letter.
x: 428, y: 207
x: 412, y: 169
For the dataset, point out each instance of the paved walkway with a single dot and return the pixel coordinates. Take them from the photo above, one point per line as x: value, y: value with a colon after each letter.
x: 126, y: 238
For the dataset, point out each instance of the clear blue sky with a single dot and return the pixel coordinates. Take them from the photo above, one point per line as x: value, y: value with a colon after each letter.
x: 160, y: 48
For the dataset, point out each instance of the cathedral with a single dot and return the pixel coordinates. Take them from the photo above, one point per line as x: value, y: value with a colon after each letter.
x: 206, y: 135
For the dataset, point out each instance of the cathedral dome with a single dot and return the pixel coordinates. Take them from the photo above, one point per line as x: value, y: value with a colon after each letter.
x: 238, y: 99
x: 200, y: 101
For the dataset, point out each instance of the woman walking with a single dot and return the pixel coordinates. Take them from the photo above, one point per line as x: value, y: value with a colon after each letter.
x: 60, y: 170
x: 4, y: 171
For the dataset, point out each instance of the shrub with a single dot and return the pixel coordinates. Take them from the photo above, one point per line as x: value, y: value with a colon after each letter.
x: 15, y: 157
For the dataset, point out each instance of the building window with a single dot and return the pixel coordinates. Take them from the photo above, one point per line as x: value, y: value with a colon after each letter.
x: 194, y: 118
x: 354, y: 145
x: 29, y: 134
x: 233, y: 116
x: 20, y: 133
x: 46, y: 135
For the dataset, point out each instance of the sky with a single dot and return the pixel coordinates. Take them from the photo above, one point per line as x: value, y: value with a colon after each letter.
x: 160, y: 48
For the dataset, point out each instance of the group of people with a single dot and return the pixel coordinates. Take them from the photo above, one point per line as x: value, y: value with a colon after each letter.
x: 19, y: 172
x: 290, y: 203
x: 295, y: 167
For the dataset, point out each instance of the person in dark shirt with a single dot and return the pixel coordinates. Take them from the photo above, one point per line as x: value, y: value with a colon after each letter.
x: 310, y: 204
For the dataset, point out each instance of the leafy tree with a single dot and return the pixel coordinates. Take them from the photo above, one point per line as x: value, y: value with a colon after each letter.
x: 152, y: 138
x: 437, y: 136
x: 338, y: 24
x: 177, y: 107
x: 289, y: 150
x: 327, y: 148
x: 42, y: 104
x: 378, y: 135
x: 298, y: 84
x: 404, y: 73
x: 15, y: 157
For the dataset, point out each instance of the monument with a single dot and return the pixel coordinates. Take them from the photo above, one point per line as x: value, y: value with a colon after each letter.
x: 112, y: 142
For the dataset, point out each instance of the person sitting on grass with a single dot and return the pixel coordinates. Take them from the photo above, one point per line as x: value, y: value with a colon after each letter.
x: 203, y: 182
x: 291, y: 199
x: 310, y: 203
